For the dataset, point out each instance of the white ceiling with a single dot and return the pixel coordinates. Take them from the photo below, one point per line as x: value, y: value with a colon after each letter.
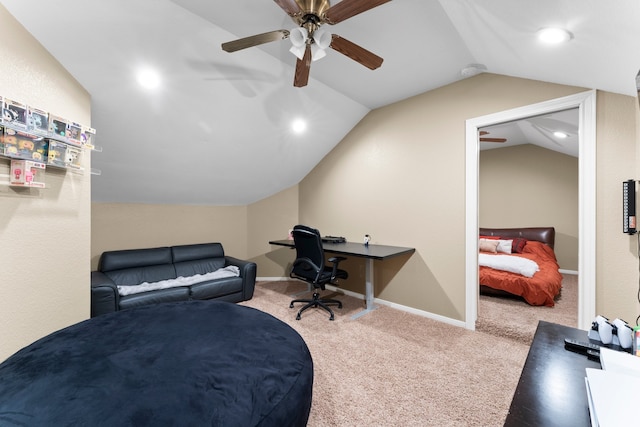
x: 218, y: 130
x: 538, y: 130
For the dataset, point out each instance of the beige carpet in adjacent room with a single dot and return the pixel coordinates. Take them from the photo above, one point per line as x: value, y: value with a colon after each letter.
x: 515, y: 319
x: 392, y: 368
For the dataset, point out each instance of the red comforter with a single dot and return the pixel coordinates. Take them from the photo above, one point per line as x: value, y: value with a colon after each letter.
x: 541, y: 289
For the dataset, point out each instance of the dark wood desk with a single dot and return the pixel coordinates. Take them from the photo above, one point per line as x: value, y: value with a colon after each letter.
x: 551, y: 390
x: 370, y: 252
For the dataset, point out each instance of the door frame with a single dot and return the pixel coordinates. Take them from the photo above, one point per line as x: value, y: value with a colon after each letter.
x: 586, y: 104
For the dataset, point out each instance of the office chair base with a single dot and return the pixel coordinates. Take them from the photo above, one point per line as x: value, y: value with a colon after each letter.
x: 316, y: 301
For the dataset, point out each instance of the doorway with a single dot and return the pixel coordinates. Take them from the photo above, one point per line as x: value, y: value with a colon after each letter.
x: 586, y: 104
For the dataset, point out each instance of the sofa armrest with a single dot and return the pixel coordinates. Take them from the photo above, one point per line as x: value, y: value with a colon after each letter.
x: 247, y: 272
x: 104, y: 294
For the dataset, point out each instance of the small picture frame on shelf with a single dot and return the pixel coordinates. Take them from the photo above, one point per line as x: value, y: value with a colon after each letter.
x: 38, y: 121
x: 1, y: 140
x: 74, y: 132
x: 23, y: 145
x: 27, y: 173
x: 57, y: 153
x: 73, y: 157
x: 58, y: 126
x: 14, y: 113
x: 87, y: 136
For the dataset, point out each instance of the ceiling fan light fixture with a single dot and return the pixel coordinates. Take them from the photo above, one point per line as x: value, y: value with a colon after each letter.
x: 298, y: 36
x: 322, y: 38
x: 317, y: 52
x: 321, y: 41
x: 554, y: 35
x: 298, y: 51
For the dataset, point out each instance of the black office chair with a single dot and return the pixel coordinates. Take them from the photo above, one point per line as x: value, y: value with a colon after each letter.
x: 310, y: 267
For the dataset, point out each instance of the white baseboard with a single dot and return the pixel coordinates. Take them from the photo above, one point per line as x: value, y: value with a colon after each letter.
x: 393, y: 305
x: 574, y: 272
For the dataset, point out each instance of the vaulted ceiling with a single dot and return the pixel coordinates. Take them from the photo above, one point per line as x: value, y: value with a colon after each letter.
x: 218, y: 128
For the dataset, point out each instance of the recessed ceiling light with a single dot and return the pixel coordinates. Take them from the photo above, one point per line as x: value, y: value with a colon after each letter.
x: 148, y: 78
x: 552, y: 35
x: 559, y: 134
x: 299, y: 126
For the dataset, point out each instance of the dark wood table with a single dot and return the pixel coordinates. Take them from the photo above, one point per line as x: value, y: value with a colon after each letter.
x: 370, y: 252
x: 552, y: 390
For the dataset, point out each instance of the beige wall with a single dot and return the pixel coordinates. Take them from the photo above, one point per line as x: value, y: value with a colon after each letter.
x: 117, y: 226
x: 529, y: 186
x: 271, y: 219
x: 44, y: 256
x: 244, y: 231
x: 617, y: 259
x: 400, y: 176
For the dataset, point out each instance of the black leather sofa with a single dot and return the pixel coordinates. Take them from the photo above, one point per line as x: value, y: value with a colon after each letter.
x: 137, y: 266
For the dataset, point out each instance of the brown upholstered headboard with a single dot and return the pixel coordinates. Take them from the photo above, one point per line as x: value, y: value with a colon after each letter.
x: 541, y: 234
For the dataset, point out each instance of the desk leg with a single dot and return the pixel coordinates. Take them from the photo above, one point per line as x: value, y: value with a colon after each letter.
x: 368, y: 290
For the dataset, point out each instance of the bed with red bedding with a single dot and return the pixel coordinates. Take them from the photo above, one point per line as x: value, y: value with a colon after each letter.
x: 543, y: 285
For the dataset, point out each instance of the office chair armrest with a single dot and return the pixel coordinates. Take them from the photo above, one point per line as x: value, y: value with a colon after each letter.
x: 335, y: 260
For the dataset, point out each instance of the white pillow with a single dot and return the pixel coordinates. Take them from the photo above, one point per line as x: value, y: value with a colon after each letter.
x: 504, y: 246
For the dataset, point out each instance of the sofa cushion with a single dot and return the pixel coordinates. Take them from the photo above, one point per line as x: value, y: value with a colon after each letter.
x: 216, y: 288
x: 163, y: 295
x: 135, y: 276
x: 204, y: 258
x: 197, y: 252
x: 131, y: 258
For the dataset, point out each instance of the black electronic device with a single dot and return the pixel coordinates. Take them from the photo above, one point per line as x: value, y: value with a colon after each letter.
x: 629, y: 206
x: 593, y: 355
x: 580, y: 346
x: 334, y: 239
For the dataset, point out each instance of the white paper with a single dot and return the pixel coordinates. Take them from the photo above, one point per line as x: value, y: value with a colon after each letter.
x: 613, y: 397
x: 619, y: 362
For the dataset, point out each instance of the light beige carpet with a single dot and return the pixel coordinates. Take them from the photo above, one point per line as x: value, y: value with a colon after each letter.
x: 515, y: 319
x: 391, y: 368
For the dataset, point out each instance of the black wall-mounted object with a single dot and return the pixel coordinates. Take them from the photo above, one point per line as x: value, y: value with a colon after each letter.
x: 629, y: 206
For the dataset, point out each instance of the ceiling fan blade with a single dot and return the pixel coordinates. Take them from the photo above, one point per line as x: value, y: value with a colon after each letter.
x: 303, y: 66
x: 348, y: 8
x: 291, y: 7
x: 493, y: 140
x: 484, y: 132
x: 256, y: 40
x: 355, y: 52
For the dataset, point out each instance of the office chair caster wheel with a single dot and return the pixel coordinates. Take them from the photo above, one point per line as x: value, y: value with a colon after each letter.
x: 291, y: 305
x: 331, y: 318
x: 298, y: 316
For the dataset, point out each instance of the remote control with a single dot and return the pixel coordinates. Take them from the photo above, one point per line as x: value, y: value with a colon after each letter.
x: 580, y: 346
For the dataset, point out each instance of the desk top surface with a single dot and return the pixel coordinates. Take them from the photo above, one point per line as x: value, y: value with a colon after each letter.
x: 551, y: 390
x: 356, y: 249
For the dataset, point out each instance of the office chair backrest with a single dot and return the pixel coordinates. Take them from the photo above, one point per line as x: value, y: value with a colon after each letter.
x: 308, y: 245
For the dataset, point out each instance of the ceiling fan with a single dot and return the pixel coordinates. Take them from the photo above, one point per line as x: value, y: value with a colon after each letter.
x: 309, y: 40
x: 486, y: 139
